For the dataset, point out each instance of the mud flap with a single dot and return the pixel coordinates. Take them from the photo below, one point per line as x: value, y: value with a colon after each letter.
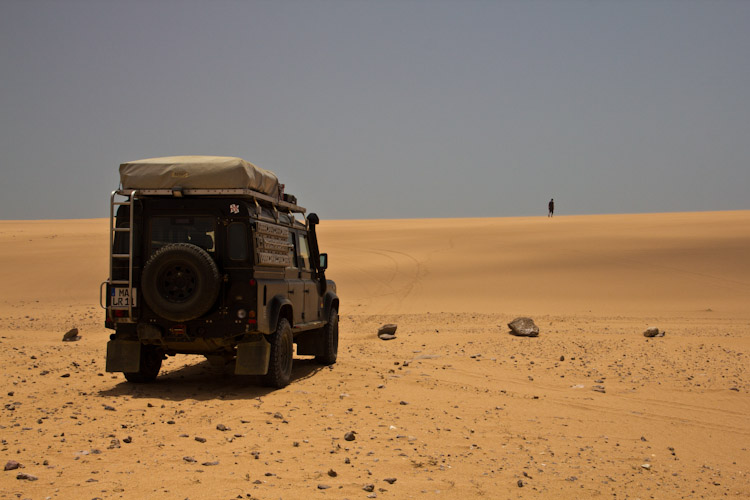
x: 309, y: 343
x: 123, y: 356
x: 253, y: 356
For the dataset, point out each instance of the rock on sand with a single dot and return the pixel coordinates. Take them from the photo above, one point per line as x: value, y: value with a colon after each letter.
x: 653, y: 332
x: 523, y: 327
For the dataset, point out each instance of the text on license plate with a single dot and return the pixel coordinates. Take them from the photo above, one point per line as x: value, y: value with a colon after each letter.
x: 120, y: 297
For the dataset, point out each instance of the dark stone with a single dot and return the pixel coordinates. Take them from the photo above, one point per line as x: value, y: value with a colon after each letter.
x: 390, y: 480
x: 653, y: 332
x: 71, y: 335
x: 523, y: 327
x: 349, y: 436
x: 12, y: 465
x: 389, y: 329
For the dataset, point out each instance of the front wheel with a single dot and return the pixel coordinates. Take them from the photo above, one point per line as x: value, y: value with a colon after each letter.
x: 329, y: 340
x: 150, y: 364
x: 280, y: 363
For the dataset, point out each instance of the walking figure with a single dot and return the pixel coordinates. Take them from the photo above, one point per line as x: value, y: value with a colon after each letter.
x: 551, y: 207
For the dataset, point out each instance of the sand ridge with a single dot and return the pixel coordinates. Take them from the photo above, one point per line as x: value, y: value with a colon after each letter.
x: 453, y: 406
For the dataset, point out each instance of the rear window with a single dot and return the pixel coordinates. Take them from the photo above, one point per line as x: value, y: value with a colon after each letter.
x: 199, y: 231
x: 237, y: 233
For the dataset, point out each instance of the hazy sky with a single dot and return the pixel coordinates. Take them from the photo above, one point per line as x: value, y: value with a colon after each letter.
x: 384, y: 109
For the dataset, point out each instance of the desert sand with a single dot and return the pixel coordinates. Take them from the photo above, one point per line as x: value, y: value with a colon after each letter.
x: 453, y: 407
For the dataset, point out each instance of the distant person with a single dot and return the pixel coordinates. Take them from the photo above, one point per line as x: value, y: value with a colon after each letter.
x: 551, y: 206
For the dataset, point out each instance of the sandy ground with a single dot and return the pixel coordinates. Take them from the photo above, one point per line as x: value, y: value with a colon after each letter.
x: 454, y: 406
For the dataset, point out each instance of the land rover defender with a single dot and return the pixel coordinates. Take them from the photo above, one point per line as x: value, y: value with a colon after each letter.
x: 209, y: 256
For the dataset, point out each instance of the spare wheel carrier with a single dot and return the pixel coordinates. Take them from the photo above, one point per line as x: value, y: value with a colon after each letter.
x: 180, y: 282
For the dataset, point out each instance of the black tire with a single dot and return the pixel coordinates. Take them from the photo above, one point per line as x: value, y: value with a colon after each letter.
x: 329, y: 340
x: 280, y: 363
x: 150, y: 365
x: 180, y: 282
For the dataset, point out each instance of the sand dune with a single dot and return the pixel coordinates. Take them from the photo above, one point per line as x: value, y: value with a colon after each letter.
x: 631, y: 264
x: 453, y: 406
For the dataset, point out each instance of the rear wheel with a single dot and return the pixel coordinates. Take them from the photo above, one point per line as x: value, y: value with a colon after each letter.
x: 329, y: 340
x: 280, y: 363
x: 150, y: 365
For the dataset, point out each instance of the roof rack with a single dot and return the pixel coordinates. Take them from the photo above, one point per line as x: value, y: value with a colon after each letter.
x: 235, y: 192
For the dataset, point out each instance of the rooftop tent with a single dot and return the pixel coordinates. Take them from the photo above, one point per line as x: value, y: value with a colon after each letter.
x: 197, y: 172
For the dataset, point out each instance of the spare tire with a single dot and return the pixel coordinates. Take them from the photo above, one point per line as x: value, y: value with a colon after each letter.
x: 180, y: 282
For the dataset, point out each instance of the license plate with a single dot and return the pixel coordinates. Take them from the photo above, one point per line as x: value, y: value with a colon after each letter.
x: 120, y: 297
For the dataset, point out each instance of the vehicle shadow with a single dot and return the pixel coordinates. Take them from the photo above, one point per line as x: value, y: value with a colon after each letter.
x: 204, y: 382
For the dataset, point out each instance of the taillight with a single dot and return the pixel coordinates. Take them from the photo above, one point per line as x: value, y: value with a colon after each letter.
x: 178, y: 330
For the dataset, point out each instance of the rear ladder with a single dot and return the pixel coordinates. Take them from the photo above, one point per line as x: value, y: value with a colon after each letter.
x: 111, y: 282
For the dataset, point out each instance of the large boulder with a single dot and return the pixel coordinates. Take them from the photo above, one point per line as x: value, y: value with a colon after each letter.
x: 523, y: 327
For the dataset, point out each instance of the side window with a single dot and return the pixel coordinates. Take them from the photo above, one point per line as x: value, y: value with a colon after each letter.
x: 304, y: 252
x: 293, y: 249
x: 237, y: 236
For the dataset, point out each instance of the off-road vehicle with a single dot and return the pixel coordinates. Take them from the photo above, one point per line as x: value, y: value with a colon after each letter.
x: 209, y: 256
